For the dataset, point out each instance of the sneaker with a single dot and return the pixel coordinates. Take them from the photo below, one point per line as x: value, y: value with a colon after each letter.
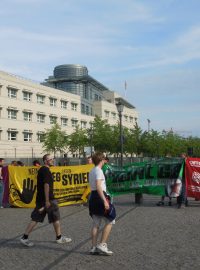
x: 26, y: 242
x: 94, y: 251
x: 160, y: 203
x: 63, y: 240
x: 102, y: 248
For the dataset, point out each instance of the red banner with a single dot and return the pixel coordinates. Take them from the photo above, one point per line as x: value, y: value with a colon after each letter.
x: 192, y: 177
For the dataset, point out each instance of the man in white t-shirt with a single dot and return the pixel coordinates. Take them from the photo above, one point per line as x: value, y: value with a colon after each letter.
x: 98, y: 205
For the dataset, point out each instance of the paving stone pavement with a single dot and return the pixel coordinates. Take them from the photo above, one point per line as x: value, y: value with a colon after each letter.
x: 145, y: 237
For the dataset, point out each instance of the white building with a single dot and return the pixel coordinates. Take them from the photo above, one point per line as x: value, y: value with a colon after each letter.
x: 28, y: 109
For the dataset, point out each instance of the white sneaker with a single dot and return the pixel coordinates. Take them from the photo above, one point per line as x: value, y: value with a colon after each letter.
x: 104, y: 249
x: 63, y: 240
x: 94, y: 251
x: 26, y: 242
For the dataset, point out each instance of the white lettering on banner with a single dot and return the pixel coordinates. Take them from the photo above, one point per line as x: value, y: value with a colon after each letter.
x: 196, y: 177
x: 194, y: 163
x: 194, y: 188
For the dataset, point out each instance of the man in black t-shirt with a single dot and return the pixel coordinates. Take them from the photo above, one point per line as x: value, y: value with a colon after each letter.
x: 45, y: 204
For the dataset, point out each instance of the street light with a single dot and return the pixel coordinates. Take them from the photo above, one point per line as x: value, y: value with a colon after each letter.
x: 120, y: 108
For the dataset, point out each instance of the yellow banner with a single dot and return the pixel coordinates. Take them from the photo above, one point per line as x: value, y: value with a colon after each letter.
x: 70, y: 185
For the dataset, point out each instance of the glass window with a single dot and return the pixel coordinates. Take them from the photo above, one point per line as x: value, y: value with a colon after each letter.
x: 40, y: 136
x: 28, y: 116
x: 83, y: 108
x: 63, y: 104
x: 126, y: 118
x: 52, y: 119
x: 40, y: 99
x: 114, y: 115
x: 12, y: 93
x: 27, y: 96
x: 83, y: 124
x: 12, y: 135
x: 27, y: 136
x: 52, y: 102
x: 131, y: 119
x: 74, y: 106
x: 64, y: 122
x: 40, y: 118
x: 87, y: 110
x: 74, y: 123
x: 12, y: 114
x: 107, y: 114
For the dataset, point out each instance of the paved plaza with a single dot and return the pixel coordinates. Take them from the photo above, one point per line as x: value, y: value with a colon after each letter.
x: 145, y: 237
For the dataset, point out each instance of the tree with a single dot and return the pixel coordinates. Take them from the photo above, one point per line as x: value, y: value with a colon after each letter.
x: 102, y: 135
x: 54, y: 140
x: 77, y: 141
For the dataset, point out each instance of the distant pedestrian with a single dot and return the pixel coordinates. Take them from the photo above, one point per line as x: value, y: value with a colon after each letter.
x: 45, y: 204
x: 36, y: 163
x: 99, y: 206
x: 89, y: 160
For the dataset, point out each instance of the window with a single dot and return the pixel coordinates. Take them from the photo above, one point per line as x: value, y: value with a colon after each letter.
x: 52, y: 119
x: 83, y: 124
x: 63, y: 104
x: 12, y: 135
x: 107, y: 114
x: 126, y: 118
x: 40, y: 136
x: 83, y: 108
x: 74, y: 123
x: 40, y: 118
x: 52, y: 102
x: 96, y: 97
x: 12, y: 114
x: 27, y: 96
x: 87, y: 110
x: 12, y: 93
x: 27, y: 116
x: 64, y: 122
x: 40, y: 99
x: 74, y: 106
x: 113, y: 115
x: 27, y: 136
x: 131, y: 119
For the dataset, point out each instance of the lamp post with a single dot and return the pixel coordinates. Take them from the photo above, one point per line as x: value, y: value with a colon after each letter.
x: 120, y: 108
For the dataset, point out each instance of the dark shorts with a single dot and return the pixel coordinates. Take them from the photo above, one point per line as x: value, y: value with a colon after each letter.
x: 52, y: 212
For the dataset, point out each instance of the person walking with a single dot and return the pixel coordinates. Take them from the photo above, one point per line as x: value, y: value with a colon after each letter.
x: 45, y: 204
x: 99, y: 206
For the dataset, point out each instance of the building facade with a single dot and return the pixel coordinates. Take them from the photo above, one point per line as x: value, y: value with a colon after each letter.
x: 71, y: 97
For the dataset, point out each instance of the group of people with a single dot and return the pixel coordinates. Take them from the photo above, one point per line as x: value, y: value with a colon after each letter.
x: 100, y: 207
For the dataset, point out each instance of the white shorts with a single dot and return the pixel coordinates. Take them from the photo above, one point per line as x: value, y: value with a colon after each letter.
x: 97, y: 220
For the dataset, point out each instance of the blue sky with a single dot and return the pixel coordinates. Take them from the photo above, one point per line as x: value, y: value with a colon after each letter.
x: 152, y: 45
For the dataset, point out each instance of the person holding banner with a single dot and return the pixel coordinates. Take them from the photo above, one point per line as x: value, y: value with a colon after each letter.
x: 100, y: 208
x: 45, y: 204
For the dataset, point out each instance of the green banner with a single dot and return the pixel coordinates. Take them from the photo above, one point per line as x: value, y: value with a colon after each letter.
x: 155, y: 177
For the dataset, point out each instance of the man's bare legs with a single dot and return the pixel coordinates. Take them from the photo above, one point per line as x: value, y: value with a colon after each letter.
x: 30, y: 227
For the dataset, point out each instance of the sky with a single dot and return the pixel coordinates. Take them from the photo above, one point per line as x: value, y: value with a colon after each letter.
x: 152, y: 45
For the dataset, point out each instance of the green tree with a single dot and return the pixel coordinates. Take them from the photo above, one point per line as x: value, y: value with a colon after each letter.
x: 54, y: 140
x: 77, y: 141
x: 101, y: 135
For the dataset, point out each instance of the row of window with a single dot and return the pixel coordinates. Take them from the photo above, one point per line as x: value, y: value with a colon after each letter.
x: 114, y: 116
x: 41, y: 117
x: 27, y: 96
x: 27, y: 135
